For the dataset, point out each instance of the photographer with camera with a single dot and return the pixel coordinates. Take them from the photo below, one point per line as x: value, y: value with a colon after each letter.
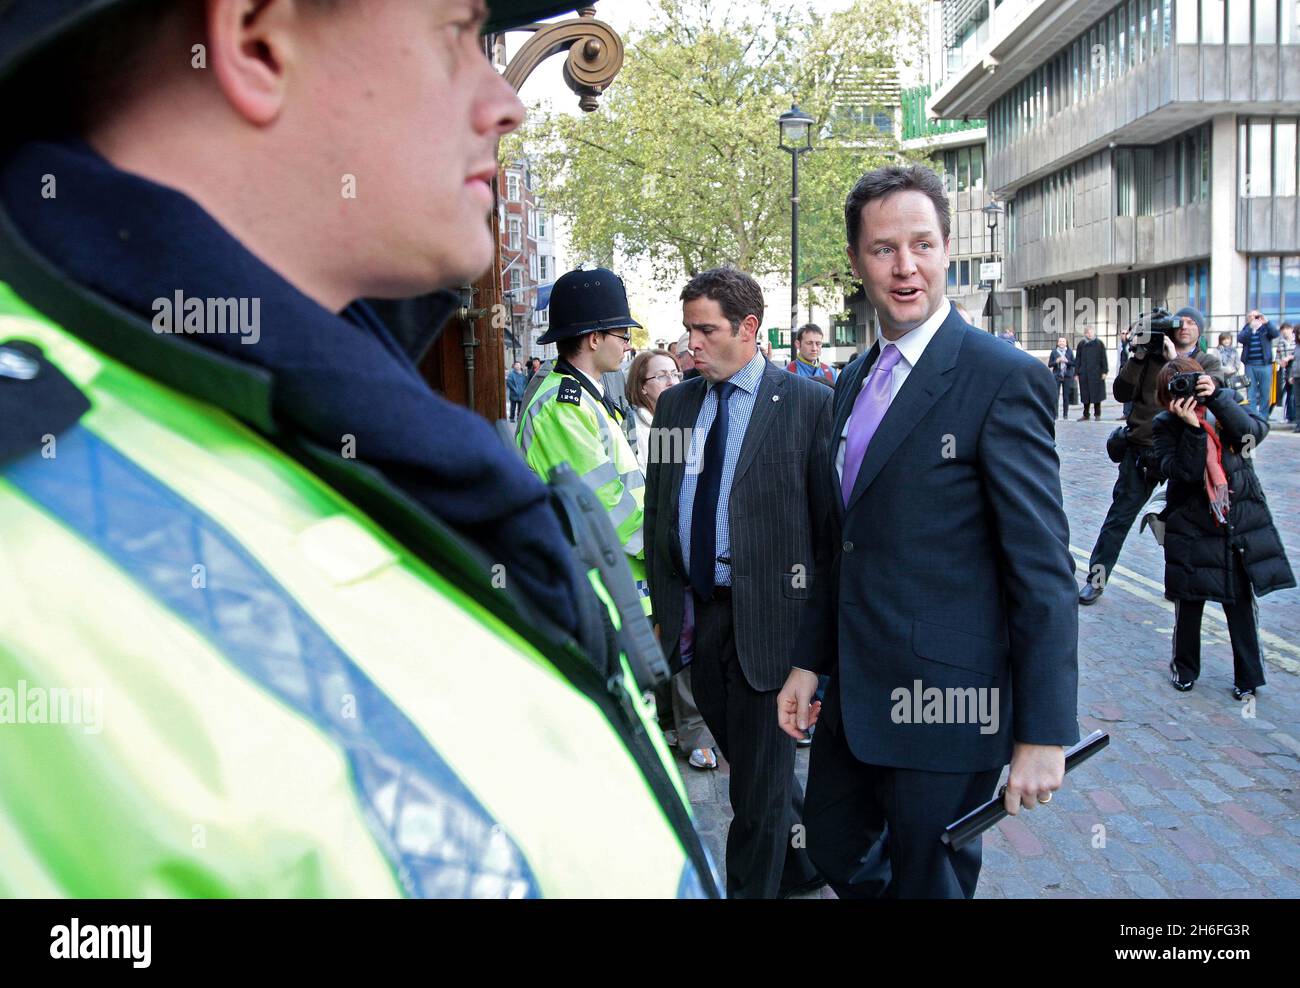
x: 1220, y: 543
x: 1155, y: 339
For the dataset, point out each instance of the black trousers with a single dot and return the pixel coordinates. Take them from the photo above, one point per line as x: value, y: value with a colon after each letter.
x: 1132, y: 491
x: 514, y: 410
x: 765, y: 853
x: 1065, y: 387
x: 1096, y: 409
x: 873, y: 831
x: 1243, y: 630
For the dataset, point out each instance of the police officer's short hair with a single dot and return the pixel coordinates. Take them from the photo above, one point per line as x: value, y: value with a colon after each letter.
x: 737, y: 294
x: 572, y: 346
x: 808, y: 327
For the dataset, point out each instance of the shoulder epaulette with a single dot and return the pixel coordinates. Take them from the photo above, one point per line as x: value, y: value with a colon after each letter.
x: 36, y: 400
x: 570, y: 392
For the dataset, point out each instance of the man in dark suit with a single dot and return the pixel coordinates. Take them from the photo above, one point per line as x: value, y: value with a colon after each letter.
x: 948, y: 619
x: 730, y: 529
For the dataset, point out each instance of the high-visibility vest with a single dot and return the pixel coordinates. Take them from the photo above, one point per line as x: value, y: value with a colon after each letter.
x: 220, y: 678
x: 563, y: 423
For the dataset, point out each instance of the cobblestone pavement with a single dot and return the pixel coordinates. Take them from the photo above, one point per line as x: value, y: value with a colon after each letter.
x: 1191, y: 799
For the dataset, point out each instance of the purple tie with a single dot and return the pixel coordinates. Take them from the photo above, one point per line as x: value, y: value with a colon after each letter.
x: 868, y: 410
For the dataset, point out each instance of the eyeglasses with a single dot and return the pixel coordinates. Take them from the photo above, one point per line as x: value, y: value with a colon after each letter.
x: 667, y: 377
x: 618, y: 336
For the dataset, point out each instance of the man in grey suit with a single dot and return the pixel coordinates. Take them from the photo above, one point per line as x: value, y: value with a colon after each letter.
x: 730, y: 529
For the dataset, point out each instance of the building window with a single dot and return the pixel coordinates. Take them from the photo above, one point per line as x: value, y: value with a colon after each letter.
x: 516, y: 280
x: 516, y: 241
x: 1212, y: 14
x: 1143, y: 179
x: 543, y: 268
x: 1273, y: 287
x: 1132, y: 33
x: 1238, y: 22
x: 512, y: 186
x: 1256, y: 157
x: 1284, y: 147
x: 1289, y: 33
x: 1123, y: 182
x: 1188, y: 29
x: 1205, y: 163
x: 541, y: 226
x: 1121, y: 38
x: 1266, y: 22
x: 532, y: 267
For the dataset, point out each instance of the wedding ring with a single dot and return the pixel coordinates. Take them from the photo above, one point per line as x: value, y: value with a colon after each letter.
x: 1047, y: 800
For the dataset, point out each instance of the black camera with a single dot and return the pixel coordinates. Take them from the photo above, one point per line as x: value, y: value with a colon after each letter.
x: 1183, y: 385
x: 1150, y: 330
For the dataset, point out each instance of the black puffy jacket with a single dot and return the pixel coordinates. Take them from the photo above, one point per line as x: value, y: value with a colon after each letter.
x: 1198, y: 550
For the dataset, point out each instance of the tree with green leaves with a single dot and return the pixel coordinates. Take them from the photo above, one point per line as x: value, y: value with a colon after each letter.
x: 680, y: 166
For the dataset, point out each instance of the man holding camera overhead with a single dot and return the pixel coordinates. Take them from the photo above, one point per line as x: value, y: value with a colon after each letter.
x: 1153, y: 345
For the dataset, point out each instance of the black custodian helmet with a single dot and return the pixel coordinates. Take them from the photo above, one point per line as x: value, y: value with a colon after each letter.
x: 587, y: 302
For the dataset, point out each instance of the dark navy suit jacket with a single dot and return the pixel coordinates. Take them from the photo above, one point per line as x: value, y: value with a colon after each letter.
x: 950, y: 567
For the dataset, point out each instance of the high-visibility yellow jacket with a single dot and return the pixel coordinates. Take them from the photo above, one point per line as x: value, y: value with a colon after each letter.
x: 563, y: 423
x: 218, y: 677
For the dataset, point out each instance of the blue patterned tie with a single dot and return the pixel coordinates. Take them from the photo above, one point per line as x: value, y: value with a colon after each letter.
x: 704, y: 514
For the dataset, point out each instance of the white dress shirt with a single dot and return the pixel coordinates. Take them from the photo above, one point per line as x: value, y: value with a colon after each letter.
x: 910, y: 347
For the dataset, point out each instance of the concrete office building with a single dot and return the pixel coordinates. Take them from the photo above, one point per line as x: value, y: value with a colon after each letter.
x: 955, y: 34
x: 1144, y: 149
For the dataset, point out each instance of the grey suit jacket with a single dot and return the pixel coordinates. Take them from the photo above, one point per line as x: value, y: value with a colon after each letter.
x: 780, y: 508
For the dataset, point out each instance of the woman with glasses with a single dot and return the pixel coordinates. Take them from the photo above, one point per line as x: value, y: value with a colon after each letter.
x: 652, y: 373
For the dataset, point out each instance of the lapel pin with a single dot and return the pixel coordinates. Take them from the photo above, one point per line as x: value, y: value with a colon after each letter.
x: 776, y: 397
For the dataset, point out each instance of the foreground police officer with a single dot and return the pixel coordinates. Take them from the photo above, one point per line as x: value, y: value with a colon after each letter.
x: 276, y: 619
x: 571, y: 419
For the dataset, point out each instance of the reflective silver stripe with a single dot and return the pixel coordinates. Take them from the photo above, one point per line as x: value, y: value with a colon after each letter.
x: 624, y: 510
x: 634, y: 545
x: 526, y: 427
x: 599, y: 476
x: 633, y: 480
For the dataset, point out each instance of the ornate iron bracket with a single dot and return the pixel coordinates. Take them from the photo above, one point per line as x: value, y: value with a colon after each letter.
x: 595, y: 55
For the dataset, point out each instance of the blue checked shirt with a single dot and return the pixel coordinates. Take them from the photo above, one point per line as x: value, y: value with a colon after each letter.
x: 741, y: 405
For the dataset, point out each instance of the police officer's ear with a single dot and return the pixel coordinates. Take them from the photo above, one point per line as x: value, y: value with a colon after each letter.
x: 252, y: 46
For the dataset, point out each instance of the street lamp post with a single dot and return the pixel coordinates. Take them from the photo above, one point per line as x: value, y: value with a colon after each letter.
x: 796, y: 138
x: 992, y: 212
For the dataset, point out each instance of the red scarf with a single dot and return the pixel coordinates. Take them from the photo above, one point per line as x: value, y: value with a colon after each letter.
x: 1216, y: 480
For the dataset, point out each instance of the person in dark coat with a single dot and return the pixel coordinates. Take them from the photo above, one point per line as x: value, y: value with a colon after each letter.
x: 1093, y: 368
x: 1062, y: 364
x: 516, y: 382
x: 1220, y: 543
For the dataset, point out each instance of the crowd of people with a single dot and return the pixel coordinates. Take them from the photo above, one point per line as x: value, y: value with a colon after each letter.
x: 782, y: 520
x: 1194, y: 415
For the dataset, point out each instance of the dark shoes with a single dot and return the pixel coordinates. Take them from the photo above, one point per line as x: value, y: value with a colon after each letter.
x: 1182, y: 686
x: 1240, y: 694
x: 1089, y: 595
